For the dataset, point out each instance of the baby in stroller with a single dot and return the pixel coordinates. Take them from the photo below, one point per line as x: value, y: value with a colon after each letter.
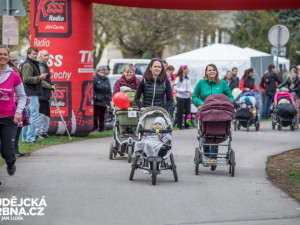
x: 152, y: 143
x: 246, y: 111
x: 154, y: 147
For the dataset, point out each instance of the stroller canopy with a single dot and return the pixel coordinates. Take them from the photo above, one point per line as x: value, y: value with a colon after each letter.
x: 249, y: 93
x: 280, y: 95
x: 217, y: 108
x: 150, y: 113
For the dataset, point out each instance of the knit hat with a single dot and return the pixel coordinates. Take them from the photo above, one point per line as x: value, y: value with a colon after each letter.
x: 160, y: 120
x: 247, y: 99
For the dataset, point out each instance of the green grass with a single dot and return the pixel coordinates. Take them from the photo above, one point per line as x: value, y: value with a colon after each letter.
x: 56, y: 140
x: 295, y: 179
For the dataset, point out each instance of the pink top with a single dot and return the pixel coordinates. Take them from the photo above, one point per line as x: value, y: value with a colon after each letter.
x: 7, y: 90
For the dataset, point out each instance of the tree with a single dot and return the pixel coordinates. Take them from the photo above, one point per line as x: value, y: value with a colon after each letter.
x: 252, y: 27
x: 24, y: 26
x: 142, y: 33
x: 291, y: 19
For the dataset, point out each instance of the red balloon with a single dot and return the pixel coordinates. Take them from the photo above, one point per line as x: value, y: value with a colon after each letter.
x: 121, y: 100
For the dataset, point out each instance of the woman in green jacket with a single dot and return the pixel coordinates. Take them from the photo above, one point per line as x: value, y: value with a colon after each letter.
x: 211, y: 84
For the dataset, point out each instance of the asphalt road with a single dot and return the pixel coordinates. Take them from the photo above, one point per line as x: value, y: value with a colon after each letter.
x: 82, y: 186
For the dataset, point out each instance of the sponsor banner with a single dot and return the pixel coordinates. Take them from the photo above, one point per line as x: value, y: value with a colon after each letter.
x: 60, y: 27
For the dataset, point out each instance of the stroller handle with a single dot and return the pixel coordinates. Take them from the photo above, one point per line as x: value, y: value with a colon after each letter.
x: 168, y: 130
x: 126, y: 110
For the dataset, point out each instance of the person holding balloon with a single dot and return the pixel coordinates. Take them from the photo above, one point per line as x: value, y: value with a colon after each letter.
x: 154, y: 87
x: 102, y: 98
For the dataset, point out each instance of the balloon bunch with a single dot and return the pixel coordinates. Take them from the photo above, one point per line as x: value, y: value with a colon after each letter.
x: 188, y: 119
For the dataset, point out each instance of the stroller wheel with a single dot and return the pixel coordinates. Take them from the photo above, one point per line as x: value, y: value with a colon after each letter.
x: 248, y: 126
x: 279, y: 127
x: 235, y: 125
x: 273, y: 125
x: 197, y: 160
x: 133, y: 167
x: 292, y: 128
x: 154, y: 172
x: 213, y: 167
x: 257, y: 126
x: 111, y: 150
x: 232, y: 163
x: 173, y: 167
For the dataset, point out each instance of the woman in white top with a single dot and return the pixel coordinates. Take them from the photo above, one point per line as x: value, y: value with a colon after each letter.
x: 183, y: 88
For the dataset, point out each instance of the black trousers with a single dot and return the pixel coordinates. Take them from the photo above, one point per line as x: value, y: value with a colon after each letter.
x: 8, y: 132
x: 183, y: 106
x: 44, y: 108
x: 99, y: 117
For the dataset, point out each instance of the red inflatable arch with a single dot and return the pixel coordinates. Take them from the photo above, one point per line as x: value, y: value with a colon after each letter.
x: 65, y: 29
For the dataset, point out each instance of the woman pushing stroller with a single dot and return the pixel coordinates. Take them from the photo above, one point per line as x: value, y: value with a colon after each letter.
x: 210, y: 85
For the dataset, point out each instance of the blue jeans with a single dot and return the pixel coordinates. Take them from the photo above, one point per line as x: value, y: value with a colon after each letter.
x: 211, y: 149
x: 28, y: 132
x: 263, y: 102
x: 266, y: 107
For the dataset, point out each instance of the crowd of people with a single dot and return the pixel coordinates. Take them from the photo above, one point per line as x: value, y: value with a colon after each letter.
x: 162, y: 87
x: 26, y: 91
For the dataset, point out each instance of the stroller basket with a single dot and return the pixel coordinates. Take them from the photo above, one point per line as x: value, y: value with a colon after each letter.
x: 215, y: 132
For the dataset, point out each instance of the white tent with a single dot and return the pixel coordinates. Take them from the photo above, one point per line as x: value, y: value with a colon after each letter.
x: 224, y: 56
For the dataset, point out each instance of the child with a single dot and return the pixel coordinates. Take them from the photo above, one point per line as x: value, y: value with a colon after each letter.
x: 151, y: 143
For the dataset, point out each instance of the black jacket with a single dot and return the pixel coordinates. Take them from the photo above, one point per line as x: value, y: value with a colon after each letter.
x: 46, y: 93
x: 232, y: 83
x: 154, y: 94
x: 268, y: 82
x: 102, y: 91
x: 236, y: 82
x: 288, y: 83
x: 31, y: 88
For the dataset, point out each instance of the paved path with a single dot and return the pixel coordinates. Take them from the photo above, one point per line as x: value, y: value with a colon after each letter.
x: 82, y: 186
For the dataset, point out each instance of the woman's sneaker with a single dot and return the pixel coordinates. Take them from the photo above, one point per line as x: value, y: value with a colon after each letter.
x: 205, y: 161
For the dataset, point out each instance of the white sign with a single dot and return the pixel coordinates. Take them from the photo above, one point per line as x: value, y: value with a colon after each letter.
x: 131, y: 114
x: 10, y: 31
x: 278, y: 35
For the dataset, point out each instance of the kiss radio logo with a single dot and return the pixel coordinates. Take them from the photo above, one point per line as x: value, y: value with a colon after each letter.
x: 52, y: 18
x: 87, y: 101
x: 63, y: 101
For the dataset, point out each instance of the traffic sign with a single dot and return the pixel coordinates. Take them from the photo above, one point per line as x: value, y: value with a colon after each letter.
x: 10, y: 32
x: 281, y: 52
x: 278, y: 35
x: 15, y: 8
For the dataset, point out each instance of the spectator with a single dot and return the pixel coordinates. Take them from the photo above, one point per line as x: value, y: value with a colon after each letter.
x: 154, y: 87
x: 128, y: 79
x: 43, y: 121
x: 10, y: 114
x: 268, y: 83
x: 170, y: 72
x: 263, y: 96
x: 293, y: 84
x: 229, y: 80
x: 102, y: 98
x: 32, y: 79
x: 247, y: 82
x: 107, y: 70
x: 184, y: 92
x: 236, y: 79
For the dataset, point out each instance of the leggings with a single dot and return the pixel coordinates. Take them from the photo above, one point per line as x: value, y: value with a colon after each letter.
x: 8, y: 132
x: 183, y: 105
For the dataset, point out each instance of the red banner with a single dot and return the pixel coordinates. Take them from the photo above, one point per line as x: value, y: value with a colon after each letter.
x: 65, y: 29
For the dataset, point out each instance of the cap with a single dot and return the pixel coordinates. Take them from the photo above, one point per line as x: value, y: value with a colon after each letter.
x: 160, y: 120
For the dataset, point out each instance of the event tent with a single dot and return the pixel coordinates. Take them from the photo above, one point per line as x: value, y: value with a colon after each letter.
x: 224, y: 56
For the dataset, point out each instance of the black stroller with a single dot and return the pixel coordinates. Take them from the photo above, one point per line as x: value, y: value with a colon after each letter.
x: 154, y: 164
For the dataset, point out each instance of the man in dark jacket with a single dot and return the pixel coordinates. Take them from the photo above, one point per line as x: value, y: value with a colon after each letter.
x: 32, y: 80
x: 268, y: 82
x: 43, y: 121
x: 102, y: 98
x: 235, y: 78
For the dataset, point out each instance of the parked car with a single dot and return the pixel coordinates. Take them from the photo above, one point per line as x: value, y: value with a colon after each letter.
x: 117, y: 65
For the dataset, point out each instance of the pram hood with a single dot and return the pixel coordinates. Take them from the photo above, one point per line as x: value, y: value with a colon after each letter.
x: 249, y: 93
x: 217, y: 107
x: 287, y: 95
x: 150, y: 113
